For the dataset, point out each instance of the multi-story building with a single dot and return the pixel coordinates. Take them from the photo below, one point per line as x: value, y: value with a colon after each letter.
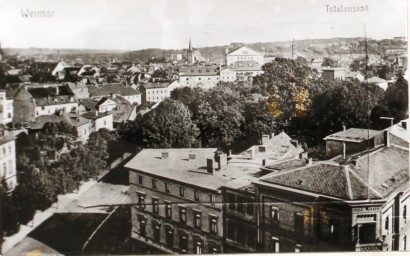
x: 244, y: 53
x: 35, y: 100
x: 6, y: 107
x: 155, y: 92
x: 359, y: 204
x: 203, y: 76
x: 8, y: 159
x: 99, y: 120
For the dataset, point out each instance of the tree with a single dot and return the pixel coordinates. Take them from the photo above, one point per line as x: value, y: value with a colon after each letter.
x: 286, y: 82
x: 168, y: 125
x: 329, y: 62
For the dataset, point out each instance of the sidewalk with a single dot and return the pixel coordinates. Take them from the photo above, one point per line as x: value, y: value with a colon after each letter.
x: 40, y: 217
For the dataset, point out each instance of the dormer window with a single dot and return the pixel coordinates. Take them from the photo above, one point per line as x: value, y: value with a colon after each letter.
x: 299, y: 182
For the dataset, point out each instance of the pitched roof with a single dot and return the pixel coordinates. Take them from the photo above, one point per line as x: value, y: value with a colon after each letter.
x: 93, y: 115
x: 246, y: 47
x: 324, y: 178
x: 198, y: 70
x: 155, y: 85
x: 385, y: 169
x: 51, y: 95
x: 109, y: 89
x: 375, y: 79
x: 353, y: 135
x: 71, y: 120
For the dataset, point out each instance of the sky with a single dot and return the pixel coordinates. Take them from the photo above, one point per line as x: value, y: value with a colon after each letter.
x: 168, y: 24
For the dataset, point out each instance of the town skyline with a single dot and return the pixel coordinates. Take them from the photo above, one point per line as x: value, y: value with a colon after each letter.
x: 160, y: 24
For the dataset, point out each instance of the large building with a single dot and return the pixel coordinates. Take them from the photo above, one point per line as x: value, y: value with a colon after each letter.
x: 203, y: 76
x: 244, y: 53
x: 6, y: 107
x: 8, y: 159
x: 177, y: 194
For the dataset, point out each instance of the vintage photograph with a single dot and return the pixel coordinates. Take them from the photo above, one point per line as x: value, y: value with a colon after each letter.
x: 136, y: 127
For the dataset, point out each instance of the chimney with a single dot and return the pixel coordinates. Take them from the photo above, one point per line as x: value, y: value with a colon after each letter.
x: 3, y: 133
x: 404, y: 125
x: 265, y: 139
x: 222, y: 160
x: 309, y: 161
x: 229, y: 152
x: 272, y: 135
x: 164, y: 155
x: 263, y: 162
x: 251, y: 153
x: 57, y: 90
x: 96, y: 113
x: 386, y: 139
x: 344, y: 127
x: 192, y: 156
x: 210, y: 165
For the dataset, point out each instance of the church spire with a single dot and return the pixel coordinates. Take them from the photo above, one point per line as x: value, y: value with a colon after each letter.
x: 190, y: 45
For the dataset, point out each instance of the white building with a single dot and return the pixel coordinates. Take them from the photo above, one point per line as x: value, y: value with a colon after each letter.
x: 227, y: 75
x: 203, y: 76
x: 378, y: 81
x: 6, y: 108
x: 8, y: 159
x: 244, y: 53
x: 100, y: 120
x: 155, y: 92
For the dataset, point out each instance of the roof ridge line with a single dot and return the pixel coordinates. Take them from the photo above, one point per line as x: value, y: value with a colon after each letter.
x: 349, y: 185
x: 364, y: 183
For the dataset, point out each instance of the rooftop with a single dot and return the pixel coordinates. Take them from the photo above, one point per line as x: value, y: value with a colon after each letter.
x: 155, y: 85
x: 324, y: 178
x: 386, y: 170
x: 71, y: 120
x: 198, y: 70
x: 375, y: 79
x: 94, y: 115
x: 246, y: 65
x: 179, y: 167
x: 353, y: 135
x: 109, y: 89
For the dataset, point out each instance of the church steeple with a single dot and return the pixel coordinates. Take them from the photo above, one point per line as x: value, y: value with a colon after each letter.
x: 190, y: 45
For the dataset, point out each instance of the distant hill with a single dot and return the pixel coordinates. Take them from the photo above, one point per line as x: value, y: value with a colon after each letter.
x: 309, y: 48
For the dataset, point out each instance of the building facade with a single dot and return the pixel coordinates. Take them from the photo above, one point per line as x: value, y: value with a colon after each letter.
x: 8, y: 159
x: 244, y: 53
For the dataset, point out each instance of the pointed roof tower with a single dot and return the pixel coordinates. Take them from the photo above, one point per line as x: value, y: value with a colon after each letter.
x: 190, y: 45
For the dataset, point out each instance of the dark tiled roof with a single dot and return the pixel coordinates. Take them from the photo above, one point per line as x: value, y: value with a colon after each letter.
x: 73, y: 121
x: 92, y: 115
x: 89, y: 104
x: 288, y: 165
x: 52, y: 95
x: 194, y: 70
x: 324, y: 178
x: 353, y: 135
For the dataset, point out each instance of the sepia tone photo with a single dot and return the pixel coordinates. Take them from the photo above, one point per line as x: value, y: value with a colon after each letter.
x: 136, y: 127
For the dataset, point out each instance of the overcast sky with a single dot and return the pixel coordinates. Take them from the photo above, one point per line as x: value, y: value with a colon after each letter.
x: 139, y: 24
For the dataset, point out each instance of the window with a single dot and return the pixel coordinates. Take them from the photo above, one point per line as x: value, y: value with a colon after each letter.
x: 405, y: 212
x: 213, y: 249
x: 299, y: 223
x: 142, y: 228
x: 196, y: 195
x: 168, y: 210
x: 10, y: 167
x: 166, y: 187
x: 231, y: 230
x: 275, y: 215
x: 4, y: 169
x: 198, y: 247
x: 169, y: 237
x: 249, y: 208
x: 183, y: 242
x: 298, y: 248
x: 157, y: 231
x: 386, y: 223
x: 404, y: 243
x: 240, y: 204
x: 212, y: 198
x: 231, y: 200
x: 182, y: 214
x: 197, y: 219
x: 274, y: 244
x: 139, y: 179
x: 4, y: 151
x: 213, y: 227
x: 155, y: 205
x: 182, y: 191
x: 141, y: 198
x: 154, y: 183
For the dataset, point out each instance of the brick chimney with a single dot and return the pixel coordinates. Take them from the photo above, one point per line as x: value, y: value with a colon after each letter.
x: 222, y: 160
x: 164, y: 155
x: 210, y: 165
x: 251, y: 153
